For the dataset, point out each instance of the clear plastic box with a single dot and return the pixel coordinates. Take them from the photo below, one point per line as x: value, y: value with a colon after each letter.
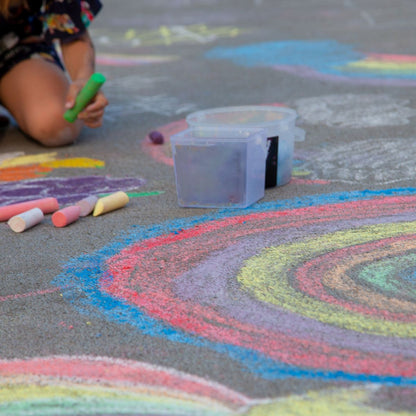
x: 219, y: 167
x: 279, y: 123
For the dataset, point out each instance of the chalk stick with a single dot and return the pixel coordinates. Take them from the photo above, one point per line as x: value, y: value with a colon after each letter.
x: 110, y: 203
x: 25, y: 220
x: 47, y: 205
x: 85, y: 96
x: 87, y: 205
x: 66, y: 216
x: 156, y: 137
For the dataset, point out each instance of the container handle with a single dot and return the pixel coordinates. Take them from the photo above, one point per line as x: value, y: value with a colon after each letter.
x: 299, y: 134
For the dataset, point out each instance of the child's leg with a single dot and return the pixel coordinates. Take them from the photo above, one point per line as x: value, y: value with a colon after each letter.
x: 34, y: 91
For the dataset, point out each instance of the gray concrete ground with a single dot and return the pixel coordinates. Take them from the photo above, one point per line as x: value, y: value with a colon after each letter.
x: 316, y: 311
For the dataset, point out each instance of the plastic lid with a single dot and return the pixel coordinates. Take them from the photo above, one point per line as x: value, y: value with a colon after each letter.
x: 219, y: 133
x: 247, y: 116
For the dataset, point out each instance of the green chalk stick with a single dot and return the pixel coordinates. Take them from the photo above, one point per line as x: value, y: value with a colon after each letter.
x: 85, y: 96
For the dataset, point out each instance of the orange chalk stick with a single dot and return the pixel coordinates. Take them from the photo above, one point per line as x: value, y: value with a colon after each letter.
x: 66, y: 216
x: 110, y: 203
x: 25, y: 220
x: 46, y: 205
x: 87, y: 205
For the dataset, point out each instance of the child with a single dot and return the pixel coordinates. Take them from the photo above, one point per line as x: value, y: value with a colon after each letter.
x: 33, y: 85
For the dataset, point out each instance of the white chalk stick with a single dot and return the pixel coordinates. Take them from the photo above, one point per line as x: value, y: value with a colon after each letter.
x: 25, y: 220
x: 110, y: 203
x: 87, y: 205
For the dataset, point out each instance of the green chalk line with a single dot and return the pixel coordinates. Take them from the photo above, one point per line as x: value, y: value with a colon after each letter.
x: 138, y: 194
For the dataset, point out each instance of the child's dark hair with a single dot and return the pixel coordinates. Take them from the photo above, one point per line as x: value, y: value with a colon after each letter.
x: 6, y: 5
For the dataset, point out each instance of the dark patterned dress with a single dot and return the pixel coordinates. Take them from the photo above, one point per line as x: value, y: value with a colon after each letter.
x: 44, y: 21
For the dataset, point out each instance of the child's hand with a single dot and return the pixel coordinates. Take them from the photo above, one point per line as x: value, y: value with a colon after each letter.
x: 92, y: 115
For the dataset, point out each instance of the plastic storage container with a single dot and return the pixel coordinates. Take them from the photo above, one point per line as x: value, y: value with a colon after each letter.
x: 279, y: 123
x: 219, y: 167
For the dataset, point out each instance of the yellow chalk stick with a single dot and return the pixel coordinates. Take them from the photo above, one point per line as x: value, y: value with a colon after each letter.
x: 110, y: 203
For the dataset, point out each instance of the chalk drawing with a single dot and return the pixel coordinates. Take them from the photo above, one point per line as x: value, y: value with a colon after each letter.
x: 158, y: 104
x: 142, y: 101
x: 137, y: 194
x: 22, y: 178
x: 118, y: 87
x: 365, y: 16
x: 164, y: 35
x: 360, y: 401
x: 101, y: 385
x: 18, y: 296
x: 288, y: 289
x: 107, y: 386
x: 355, y: 110
x: 377, y: 160
x: 9, y: 155
x: 15, y: 167
x: 122, y: 60
x: 66, y: 190
x: 328, y: 60
x: 163, y: 153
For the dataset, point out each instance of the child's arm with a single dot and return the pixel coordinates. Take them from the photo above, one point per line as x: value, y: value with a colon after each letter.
x: 79, y: 60
x: 79, y: 56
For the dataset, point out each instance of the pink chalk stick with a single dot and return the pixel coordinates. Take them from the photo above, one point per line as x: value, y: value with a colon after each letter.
x: 25, y: 220
x: 46, y: 205
x: 66, y: 216
x: 87, y: 205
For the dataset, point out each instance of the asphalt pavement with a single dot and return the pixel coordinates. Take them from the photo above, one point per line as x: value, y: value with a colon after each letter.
x: 302, y: 303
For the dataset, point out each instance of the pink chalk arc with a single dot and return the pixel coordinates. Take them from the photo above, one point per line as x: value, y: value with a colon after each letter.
x: 120, y: 373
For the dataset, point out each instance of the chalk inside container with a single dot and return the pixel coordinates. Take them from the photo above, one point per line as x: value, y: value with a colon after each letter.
x: 219, y: 167
x: 279, y: 123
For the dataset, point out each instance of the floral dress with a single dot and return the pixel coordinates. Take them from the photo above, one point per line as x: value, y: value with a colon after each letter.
x: 30, y: 32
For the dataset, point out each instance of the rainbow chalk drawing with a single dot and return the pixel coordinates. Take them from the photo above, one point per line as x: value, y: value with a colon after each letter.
x: 17, y: 166
x: 107, y: 386
x: 328, y: 60
x: 101, y: 385
x: 319, y: 287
